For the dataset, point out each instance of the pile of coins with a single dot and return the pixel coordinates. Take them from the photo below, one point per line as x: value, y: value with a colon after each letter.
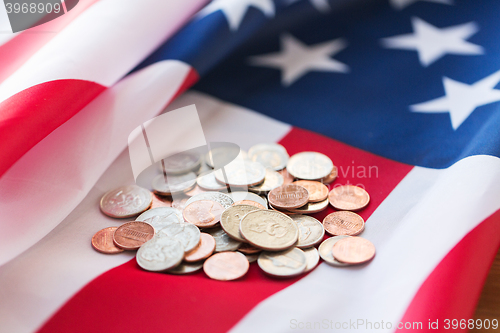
x: 202, y: 219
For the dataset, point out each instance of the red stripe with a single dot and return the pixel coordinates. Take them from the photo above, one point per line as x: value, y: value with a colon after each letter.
x: 128, y: 299
x: 452, y: 290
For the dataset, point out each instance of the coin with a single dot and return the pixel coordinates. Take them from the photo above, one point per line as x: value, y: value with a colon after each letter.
x: 269, y: 230
x: 311, y: 207
x: 270, y: 155
x: 272, y: 180
x: 181, y: 163
x: 243, y: 195
x: 353, y: 250
x: 125, y: 201
x: 223, y: 155
x: 102, y: 241
x: 288, y: 196
x: 343, y: 223
x: 246, y: 248
x: 249, y: 202
x: 284, y: 211
x: 312, y: 258
x: 176, y: 184
x: 186, y: 233
x: 311, y: 231
x: 204, y: 249
x: 168, y: 214
x: 317, y: 191
x: 194, y: 191
x: 287, y: 177
x: 160, y: 253
x: 325, y: 251
x: 241, y: 173
x: 348, y: 197
x: 251, y: 257
x: 208, y: 182
x: 224, y: 199
x: 131, y: 235
x: 230, y: 220
x: 286, y: 263
x: 309, y: 165
x: 160, y: 201
x: 226, y: 266
x: 222, y: 240
x: 186, y: 268
x: 331, y: 177
x: 203, y: 213
x: 180, y: 203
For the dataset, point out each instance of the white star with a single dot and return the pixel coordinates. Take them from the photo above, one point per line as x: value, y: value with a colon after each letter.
x: 320, y: 5
x: 297, y: 58
x: 432, y: 43
x: 235, y: 10
x: 462, y: 99
x: 401, y: 4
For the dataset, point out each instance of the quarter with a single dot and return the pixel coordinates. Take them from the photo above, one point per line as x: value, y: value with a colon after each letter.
x: 126, y: 201
x: 288, y: 263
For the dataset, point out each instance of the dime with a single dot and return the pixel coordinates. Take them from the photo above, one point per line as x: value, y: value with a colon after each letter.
x: 312, y: 258
x: 131, y: 235
x: 270, y: 155
x: 243, y: 195
x: 222, y: 241
x: 317, y: 191
x: 226, y: 266
x: 309, y: 165
x: 251, y: 257
x: 311, y: 207
x: 159, y: 201
x: 286, y: 263
x: 288, y: 196
x: 203, y: 213
x: 348, y: 197
x: 176, y: 184
x: 223, y: 155
x: 186, y: 233
x: 325, y: 251
x: 249, y: 202
x: 273, y: 179
x: 269, y: 230
x: 204, y: 249
x: 208, y: 182
x: 331, y: 177
x: 168, y: 214
x: 343, y: 223
x: 246, y: 248
x: 311, y: 231
x: 126, y: 201
x: 102, y: 241
x: 186, y: 268
x: 181, y: 163
x: 353, y: 250
x: 225, y: 200
x: 241, y: 173
x: 287, y: 178
x: 231, y: 217
x: 160, y: 253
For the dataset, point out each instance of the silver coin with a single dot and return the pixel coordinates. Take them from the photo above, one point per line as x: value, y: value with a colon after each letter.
x: 181, y: 163
x: 251, y: 257
x: 270, y: 155
x: 208, y: 182
x: 126, y: 201
x: 160, y: 253
x: 273, y: 179
x: 311, y: 207
x: 241, y: 173
x: 186, y: 268
x: 223, y: 154
x: 166, y: 213
x: 176, y: 184
x: 242, y: 195
x: 286, y: 263
x: 311, y: 231
x: 309, y: 165
x: 224, y: 199
x: 325, y: 251
x: 222, y: 240
x: 312, y: 258
x: 186, y: 233
x: 231, y: 217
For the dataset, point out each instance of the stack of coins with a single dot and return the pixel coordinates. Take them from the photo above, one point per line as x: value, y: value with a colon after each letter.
x: 204, y: 219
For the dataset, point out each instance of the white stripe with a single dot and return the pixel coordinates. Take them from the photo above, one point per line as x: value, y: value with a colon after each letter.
x: 103, y: 43
x: 422, y: 219
x: 37, y: 282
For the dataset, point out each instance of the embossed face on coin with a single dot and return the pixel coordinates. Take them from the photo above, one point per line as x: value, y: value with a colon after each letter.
x: 241, y: 173
x: 161, y: 216
x: 348, y: 197
x: 343, y: 223
x: 103, y: 241
x: 204, y: 249
x: 203, y: 213
x: 231, y: 217
x: 288, y: 196
x: 226, y: 266
x: 186, y: 233
x: 325, y: 251
x: 353, y: 250
x: 273, y: 179
x: 309, y: 165
x: 160, y: 253
x: 222, y: 241
x: 131, y: 235
x: 181, y: 163
x: 286, y: 263
x: 311, y: 231
x: 126, y: 201
x: 317, y: 191
x: 270, y: 155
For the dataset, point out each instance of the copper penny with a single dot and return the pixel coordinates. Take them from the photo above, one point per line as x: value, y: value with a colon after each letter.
x: 343, y: 223
x: 248, y: 249
x: 102, y: 241
x: 204, y: 249
x: 287, y: 212
x: 288, y: 196
x: 225, y: 266
x: 203, y: 213
x: 353, y: 250
x: 287, y: 178
x: 348, y: 197
x: 131, y: 235
x: 159, y: 201
x: 317, y: 191
x: 250, y: 203
x: 331, y: 177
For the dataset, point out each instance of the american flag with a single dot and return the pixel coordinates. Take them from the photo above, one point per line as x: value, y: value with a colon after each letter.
x: 400, y: 94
